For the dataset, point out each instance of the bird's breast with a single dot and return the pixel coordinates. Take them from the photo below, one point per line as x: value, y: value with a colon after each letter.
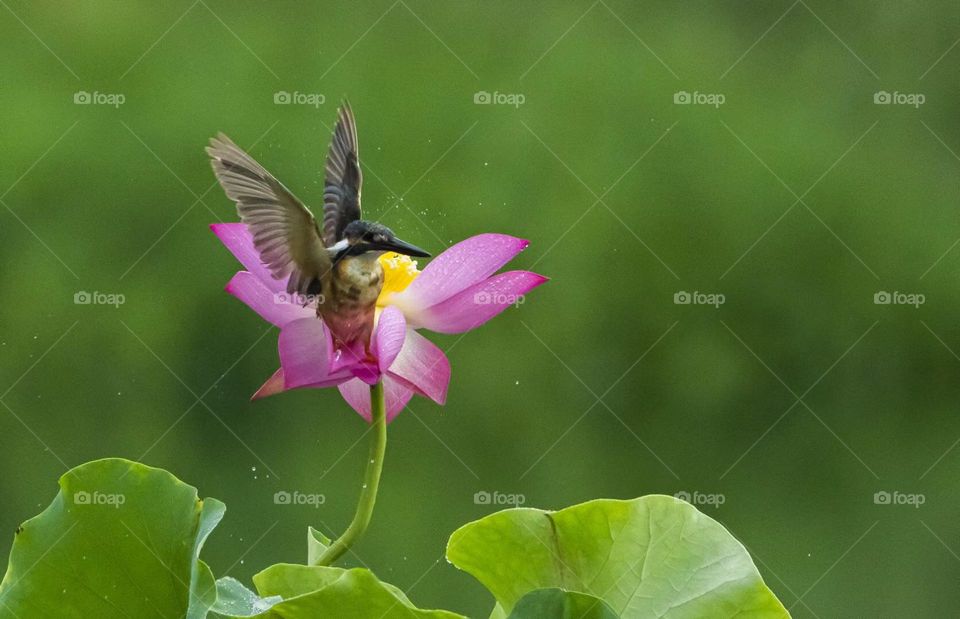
x: 357, y: 280
x: 349, y: 307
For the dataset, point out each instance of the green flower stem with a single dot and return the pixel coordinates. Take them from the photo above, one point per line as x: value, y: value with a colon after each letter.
x: 371, y: 480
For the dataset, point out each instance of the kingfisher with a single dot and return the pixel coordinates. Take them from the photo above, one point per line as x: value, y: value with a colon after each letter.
x: 338, y: 266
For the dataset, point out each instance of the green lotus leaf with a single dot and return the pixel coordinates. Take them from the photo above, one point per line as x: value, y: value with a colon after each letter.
x: 312, y: 591
x: 317, y: 544
x: 123, y: 540
x: 120, y: 539
x: 559, y: 604
x: 655, y: 556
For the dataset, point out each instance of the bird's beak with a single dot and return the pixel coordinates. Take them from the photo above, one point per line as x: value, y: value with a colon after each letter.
x: 402, y: 247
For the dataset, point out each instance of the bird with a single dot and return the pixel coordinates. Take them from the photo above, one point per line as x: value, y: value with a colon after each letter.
x: 337, y: 267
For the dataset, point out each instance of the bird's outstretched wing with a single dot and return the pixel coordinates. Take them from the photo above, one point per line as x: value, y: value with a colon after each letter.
x: 341, y: 192
x: 283, y: 229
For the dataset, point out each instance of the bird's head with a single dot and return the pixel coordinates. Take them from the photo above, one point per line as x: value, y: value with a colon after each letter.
x: 361, y: 237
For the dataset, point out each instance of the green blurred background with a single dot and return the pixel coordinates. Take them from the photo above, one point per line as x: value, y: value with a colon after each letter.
x: 798, y: 199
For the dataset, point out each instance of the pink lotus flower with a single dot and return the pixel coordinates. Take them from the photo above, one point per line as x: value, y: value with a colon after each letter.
x: 455, y: 293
